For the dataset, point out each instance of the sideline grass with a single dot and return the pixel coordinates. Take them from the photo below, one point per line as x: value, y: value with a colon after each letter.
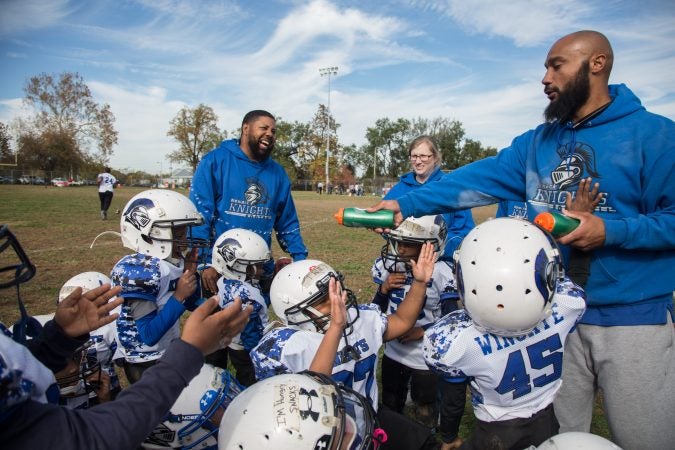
x: 57, y: 225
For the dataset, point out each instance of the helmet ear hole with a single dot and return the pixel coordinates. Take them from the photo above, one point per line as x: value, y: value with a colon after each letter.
x: 511, y: 268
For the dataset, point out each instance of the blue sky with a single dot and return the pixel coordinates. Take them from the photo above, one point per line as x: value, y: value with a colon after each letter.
x: 479, y: 62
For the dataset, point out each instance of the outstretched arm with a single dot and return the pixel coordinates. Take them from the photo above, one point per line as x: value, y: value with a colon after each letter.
x: 325, y: 354
x: 406, y: 315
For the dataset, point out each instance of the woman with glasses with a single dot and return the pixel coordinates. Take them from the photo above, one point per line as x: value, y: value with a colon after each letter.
x: 425, y: 160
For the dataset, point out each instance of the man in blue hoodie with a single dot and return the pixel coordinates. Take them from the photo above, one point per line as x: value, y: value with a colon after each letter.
x: 238, y: 185
x: 623, y: 345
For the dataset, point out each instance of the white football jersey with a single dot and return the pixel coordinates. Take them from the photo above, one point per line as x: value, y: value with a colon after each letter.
x: 147, y: 278
x: 440, y: 288
x: 228, y: 290
x: 291, y: 350
x: 510, y: 377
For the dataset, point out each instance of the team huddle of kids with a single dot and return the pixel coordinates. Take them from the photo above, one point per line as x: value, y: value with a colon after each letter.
x: 315, y: 369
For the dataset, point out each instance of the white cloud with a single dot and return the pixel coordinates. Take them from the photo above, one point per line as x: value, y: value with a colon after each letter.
x: 142, y: 119
x: 526, y: 22
x: 24, y: 15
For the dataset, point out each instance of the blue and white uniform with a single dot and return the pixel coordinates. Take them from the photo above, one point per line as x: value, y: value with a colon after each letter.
x: 228, y: 290
x: 148, y: 284
x: 440, y: 288
x: 291, y: 350
x: 510, y: 377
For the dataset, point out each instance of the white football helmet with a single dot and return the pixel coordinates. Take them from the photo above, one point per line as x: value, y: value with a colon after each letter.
x: 239, y: 254
x: 576, y: 440
x: 301, y: 285
x: 193, y: 420
x: 150, y: 222
x: 298, y: 411
x: 85, y: 280
x: 506, y: 271
x: 413, y: 231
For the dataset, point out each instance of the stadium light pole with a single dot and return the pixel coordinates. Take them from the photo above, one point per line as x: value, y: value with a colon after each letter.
x: 328, y: 71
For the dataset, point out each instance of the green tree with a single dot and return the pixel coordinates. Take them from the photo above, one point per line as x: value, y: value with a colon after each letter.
x: 473, y: 151
x: 49, y: 150
x: 196, y: 132
x: 386, y: 147
x: 66, y: 108
x: 448, y: 135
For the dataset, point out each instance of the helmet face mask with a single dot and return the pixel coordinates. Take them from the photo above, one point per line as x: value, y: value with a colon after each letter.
x: 240, y: 254
x: 412, y: 232
x: 159, y: 223
x: 300, y: 287
x: 82, y: 375
x: 20, y: 269
x: 506, y: 271
x: 303, y: 410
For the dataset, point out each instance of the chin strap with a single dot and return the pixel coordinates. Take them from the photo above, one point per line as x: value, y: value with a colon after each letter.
x: 101, y: 234
x: 349, y: 349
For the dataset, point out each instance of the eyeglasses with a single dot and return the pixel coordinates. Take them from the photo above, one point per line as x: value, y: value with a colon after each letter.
x: 423, y: 158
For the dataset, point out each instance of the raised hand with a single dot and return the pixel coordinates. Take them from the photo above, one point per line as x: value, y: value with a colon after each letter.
x: 187, y: 283
x: 423, y: 268
x: 338, y: 308
x: 586, y: 199
x: 79, y: 313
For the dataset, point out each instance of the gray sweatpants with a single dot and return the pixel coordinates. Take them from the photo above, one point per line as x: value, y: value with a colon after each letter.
x: 634, y: 368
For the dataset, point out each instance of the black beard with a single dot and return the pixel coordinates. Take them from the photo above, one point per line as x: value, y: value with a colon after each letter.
x: 254, y: 145
x: 571, y: 98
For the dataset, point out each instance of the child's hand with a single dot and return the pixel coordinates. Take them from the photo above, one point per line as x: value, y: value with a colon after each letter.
x: 187, y: 284
x: 190, y: 260
x: 423, y: 268
x: 395, y: 280
x: 586, y: 199
x: 338, y: 308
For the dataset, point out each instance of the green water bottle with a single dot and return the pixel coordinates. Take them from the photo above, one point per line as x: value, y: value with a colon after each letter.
x: 359, y: 217
x: 555, y: 223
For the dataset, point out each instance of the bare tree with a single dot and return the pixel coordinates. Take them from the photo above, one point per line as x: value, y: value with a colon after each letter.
x: 66, y: 108
x: 6, y: 155
x: 196, y: 132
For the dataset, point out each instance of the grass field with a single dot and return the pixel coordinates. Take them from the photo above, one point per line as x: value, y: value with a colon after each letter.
x: 57, y: 225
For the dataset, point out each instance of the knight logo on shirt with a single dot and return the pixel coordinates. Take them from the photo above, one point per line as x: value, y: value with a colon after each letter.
x: 137, y: 213
x: 255, y: 193
x: 574, y: 167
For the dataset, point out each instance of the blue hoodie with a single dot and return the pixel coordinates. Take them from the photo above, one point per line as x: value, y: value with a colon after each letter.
x: 631, y: 153
x: 459, y: 222
x: 231, y: 191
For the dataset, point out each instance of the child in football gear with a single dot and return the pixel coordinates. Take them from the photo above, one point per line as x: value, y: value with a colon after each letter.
x: 403, y: 361
x: 159, y: 281
x: 240, y: 256
x: 508, y: 341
